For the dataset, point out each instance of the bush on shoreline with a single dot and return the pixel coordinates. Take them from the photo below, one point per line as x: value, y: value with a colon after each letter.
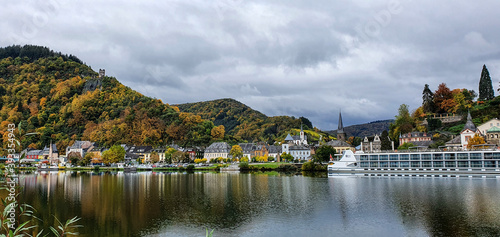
x: 311, y: 166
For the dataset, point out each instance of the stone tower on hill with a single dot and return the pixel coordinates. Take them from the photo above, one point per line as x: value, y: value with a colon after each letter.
x: 102, y: 73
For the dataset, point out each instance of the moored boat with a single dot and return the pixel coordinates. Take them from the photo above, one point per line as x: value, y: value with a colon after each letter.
x: 438, y: 161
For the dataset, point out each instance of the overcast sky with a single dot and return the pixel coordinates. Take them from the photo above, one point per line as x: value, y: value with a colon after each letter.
x: 283, y: 57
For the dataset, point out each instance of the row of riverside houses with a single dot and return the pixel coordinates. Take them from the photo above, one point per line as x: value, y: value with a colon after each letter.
x: 81, y: 148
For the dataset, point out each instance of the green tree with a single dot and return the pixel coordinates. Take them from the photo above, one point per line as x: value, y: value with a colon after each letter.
x: 485, y: 87
x: 406, y: 146
x: 74, y: 157
x: 87, y: 159
x: 324, y: 152
x: 114, y: 155
x: 236, y: 151
x: 427, y: 100
x: 168, y: 155
x: 385, y: 141
x: 404, y: 123
x: 286, y: 157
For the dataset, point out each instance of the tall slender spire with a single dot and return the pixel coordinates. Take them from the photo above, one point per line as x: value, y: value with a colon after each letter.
x: 341, y: 125
x: 340, y: 131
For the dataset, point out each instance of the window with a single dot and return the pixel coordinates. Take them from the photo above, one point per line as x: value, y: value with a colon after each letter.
x: 404, y: 157
x: 476, y: 164
x: 450, y: 164
x: 426, y: 164
x: 475, y: 156
x: 437, y: 163
x: 463, y: 164
x: 415, y: 156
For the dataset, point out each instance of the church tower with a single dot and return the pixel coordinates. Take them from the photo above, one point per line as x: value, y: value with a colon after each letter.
x: 302, y: 136
x: 340, y: 130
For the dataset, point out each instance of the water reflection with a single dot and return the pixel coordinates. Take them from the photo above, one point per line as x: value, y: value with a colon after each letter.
x: 265, y: 204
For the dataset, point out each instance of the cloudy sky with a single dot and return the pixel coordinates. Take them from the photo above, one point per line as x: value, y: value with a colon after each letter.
x: 282, y: 57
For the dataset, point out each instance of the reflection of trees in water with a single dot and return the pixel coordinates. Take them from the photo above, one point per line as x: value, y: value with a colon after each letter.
x: 126, y: 204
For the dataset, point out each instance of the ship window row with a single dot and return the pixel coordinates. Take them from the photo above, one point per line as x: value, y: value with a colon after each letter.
x: 430, y: 164
x: 447, y: 156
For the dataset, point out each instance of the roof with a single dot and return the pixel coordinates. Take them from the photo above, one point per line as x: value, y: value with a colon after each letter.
x: 415, y: 134
x: 81, y: 145
x: 493, y: 129
x: 456, y: 140
x: 218, y: 147
x: 338, y: 143
x: 274, y: 149
x: 288, y: 138
x: 247, y: 147
x: 300, y: 148
x: 422, y: 143
x: 469, y: 125
x: 139, y: 149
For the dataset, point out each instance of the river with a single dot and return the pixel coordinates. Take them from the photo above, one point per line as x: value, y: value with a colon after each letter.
x: 265, y: 204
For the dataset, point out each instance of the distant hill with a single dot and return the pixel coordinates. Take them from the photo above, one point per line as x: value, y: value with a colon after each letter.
x: 245, y: 123
x: 366, y: 129
x: 227, y: 112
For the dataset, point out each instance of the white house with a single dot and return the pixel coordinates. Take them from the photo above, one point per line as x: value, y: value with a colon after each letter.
x: 216, y: 150
x: 483, y: 128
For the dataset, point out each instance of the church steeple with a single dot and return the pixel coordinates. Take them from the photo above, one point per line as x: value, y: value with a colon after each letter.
x: 341, y: 125
x: 340, y: 130
x: 302, y: 137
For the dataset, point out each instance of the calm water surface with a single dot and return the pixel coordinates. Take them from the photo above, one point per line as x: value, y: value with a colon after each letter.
x: 177, y: 204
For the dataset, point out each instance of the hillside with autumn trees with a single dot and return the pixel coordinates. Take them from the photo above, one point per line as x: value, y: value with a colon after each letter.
x: 444, y: 101
x: 56, y: 97
x: 243, y: 123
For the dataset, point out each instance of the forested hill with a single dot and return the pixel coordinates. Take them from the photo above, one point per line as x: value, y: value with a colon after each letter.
x: 227, y: 112
x: 62, y: 100
x: 243, y: 122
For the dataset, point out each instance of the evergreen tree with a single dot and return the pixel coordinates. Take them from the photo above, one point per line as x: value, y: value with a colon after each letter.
x: 485, y: 87
x: 386, y: 143
x: 427, y: 100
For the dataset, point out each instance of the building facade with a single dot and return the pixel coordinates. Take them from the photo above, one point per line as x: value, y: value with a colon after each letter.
x: 216, y: 150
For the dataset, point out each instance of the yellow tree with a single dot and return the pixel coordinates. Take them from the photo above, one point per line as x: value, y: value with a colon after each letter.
x: 476, y: 140
x: 115, y: 154
x: 236, y: 151
x: 218, y: 132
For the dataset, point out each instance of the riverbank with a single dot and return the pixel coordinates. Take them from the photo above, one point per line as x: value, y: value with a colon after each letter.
x: 272, y: 166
